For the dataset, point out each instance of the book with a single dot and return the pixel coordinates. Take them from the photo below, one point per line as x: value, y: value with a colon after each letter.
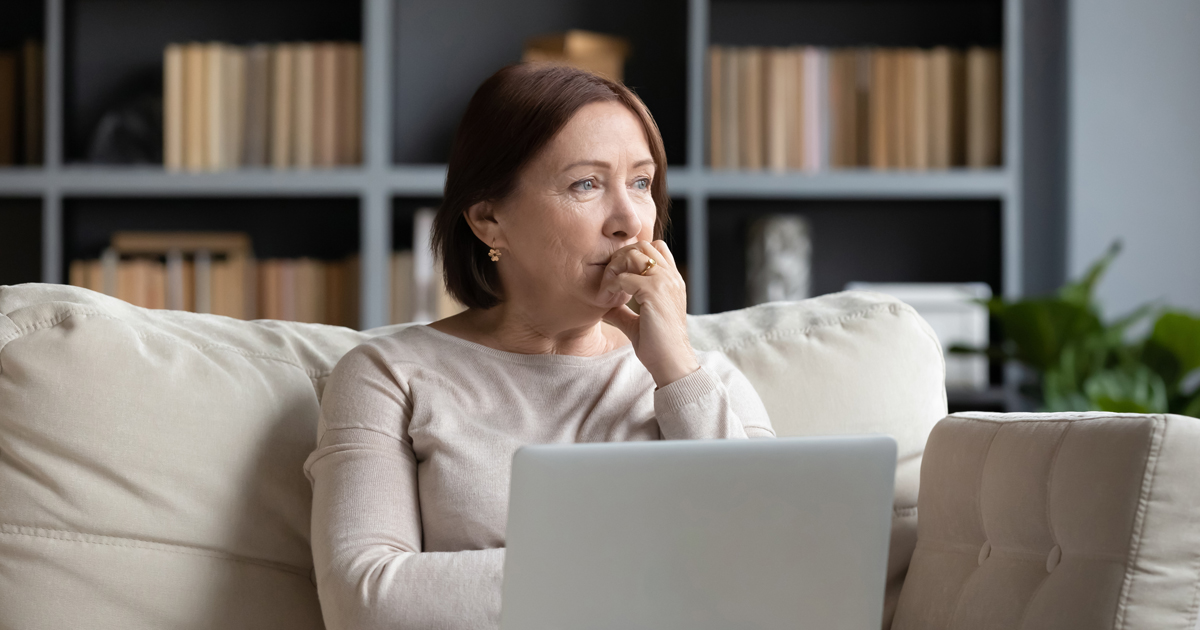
x: 283, y: 104
x: 174, y: 124
x: 796, y: 82
x: 33, y: 73
x: 215, y: 101
x: 716, y: 155
x: 730, y: 124
x: 814, y: 81
x: 940, y: 106
x: 843, y: 108
x: 983, y: 107
x: 325, y: 110
x: 233, y: 110
x: 8, y: 108
x: 750, y: 108
x: 775, y: 127
x: 305, y: 91
x: 881, y: 104
x: 918, y: 155
x: 257, y: 117
x: 195, y: 107
x: 202, y: 281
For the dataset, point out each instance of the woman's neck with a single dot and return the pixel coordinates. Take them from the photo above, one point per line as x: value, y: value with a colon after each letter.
x: 512, y: 329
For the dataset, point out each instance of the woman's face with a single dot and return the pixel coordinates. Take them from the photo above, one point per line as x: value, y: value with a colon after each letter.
x: 584, y: 196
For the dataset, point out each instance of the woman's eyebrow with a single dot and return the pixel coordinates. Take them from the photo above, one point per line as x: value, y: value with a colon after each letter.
x: 603, y: 164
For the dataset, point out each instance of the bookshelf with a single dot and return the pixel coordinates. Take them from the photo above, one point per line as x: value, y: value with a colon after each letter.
x: 417, y: 78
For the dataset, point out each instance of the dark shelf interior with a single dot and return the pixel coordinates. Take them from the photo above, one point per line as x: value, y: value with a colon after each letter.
x: 20, y: 240
x: 871, y: 241
x: 444, y: 50
x: 923, y: 23
x: 278, y: 227
x: 114, y: 48
x: 404, y: 209
x: 21, y: 20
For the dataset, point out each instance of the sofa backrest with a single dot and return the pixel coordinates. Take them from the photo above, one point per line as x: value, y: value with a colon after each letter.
x: 150, y: 461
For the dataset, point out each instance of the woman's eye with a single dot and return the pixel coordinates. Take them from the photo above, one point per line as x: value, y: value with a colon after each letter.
x: 642, y: 184
x: 585, y: 184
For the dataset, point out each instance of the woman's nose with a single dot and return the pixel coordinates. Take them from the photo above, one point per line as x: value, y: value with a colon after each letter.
x: 623, y: 222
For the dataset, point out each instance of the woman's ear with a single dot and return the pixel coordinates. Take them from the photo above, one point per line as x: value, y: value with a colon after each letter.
x: 481, y: 216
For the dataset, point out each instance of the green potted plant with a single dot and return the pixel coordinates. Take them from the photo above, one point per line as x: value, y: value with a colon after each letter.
x: 1083, y: 363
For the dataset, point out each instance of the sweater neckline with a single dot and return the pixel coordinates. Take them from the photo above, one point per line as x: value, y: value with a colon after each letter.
x: 529, y: 359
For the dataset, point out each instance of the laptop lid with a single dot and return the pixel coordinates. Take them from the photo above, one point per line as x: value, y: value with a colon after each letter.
x: 764, y: 533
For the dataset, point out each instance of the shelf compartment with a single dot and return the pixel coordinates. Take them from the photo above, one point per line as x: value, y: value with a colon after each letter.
x: 864, y: 240
x: 435, y: 75
x: 114, y: 48
x: 20, y: 240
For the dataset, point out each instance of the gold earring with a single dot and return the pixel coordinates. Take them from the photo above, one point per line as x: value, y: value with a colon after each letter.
x: 494, y: 253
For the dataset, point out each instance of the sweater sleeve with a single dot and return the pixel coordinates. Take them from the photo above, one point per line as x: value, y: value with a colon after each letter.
x: 366, y: 521
x: 716, y: 401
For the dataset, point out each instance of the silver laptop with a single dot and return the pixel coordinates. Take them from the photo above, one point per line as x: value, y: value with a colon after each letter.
x: 765, y: 533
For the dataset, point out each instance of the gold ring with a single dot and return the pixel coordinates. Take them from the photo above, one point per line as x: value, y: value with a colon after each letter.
x: 649, y: 265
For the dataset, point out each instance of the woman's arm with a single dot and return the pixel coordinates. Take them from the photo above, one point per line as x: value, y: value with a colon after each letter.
x: 366, y: 520
x: 715, y: 401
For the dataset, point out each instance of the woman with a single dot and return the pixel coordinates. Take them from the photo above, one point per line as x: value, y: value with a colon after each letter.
x: 554, y: 209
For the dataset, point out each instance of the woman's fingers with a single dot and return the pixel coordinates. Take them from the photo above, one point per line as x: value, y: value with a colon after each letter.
x: 661, y: 247
x: 625, y: 320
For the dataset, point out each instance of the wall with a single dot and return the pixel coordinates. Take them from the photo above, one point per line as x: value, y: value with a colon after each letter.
x: 1134, y: 148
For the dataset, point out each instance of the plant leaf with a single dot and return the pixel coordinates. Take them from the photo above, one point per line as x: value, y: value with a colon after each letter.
x: 1080, y: 291
x: 1136, y: 389
x: 1041, y: 327
x: 1179, y: 332
x: 1193, y: 408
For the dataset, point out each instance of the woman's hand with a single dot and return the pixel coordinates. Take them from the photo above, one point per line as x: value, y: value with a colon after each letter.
x: 659, y: 330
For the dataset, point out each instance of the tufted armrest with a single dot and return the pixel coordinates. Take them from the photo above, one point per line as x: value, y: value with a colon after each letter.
x: 1057, y: 521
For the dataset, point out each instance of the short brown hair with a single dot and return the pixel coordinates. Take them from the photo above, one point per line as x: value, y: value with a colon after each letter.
x: 511, y: 117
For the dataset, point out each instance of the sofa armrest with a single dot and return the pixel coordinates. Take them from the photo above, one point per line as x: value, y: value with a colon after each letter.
x: 1073, y: 520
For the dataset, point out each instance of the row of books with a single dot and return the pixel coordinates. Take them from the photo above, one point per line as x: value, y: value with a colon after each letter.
x: 216, y: 272
x: 21, y: 104
x: 292, y: 105
x: 810, y: 109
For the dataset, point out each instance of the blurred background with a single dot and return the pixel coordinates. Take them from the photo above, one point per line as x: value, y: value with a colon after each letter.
x: 281, y: 158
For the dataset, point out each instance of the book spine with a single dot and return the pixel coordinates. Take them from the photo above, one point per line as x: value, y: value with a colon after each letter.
x: 306, y: 101
x: 173, y: 107
x: 194, y: 98
x: 715, y: 101
x: 730, y: 117
x: 283, y: 107
x: 214, y: 105
x: 203, y: 283
x: 775, y: 128
x: 983, y: 107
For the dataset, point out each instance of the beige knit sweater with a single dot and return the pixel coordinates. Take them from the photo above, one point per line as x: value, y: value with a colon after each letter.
x: 411, y: 472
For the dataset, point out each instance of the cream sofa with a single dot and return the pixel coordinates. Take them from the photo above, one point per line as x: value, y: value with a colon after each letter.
x: 150, y: 470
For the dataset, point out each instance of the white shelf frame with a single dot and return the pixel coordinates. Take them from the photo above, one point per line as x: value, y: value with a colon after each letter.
x: 378, y: 181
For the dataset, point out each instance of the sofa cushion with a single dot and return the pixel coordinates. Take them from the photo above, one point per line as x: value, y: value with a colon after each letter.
x: 852, y: 362
x: 151, y: 461
x: 1072, y: 520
